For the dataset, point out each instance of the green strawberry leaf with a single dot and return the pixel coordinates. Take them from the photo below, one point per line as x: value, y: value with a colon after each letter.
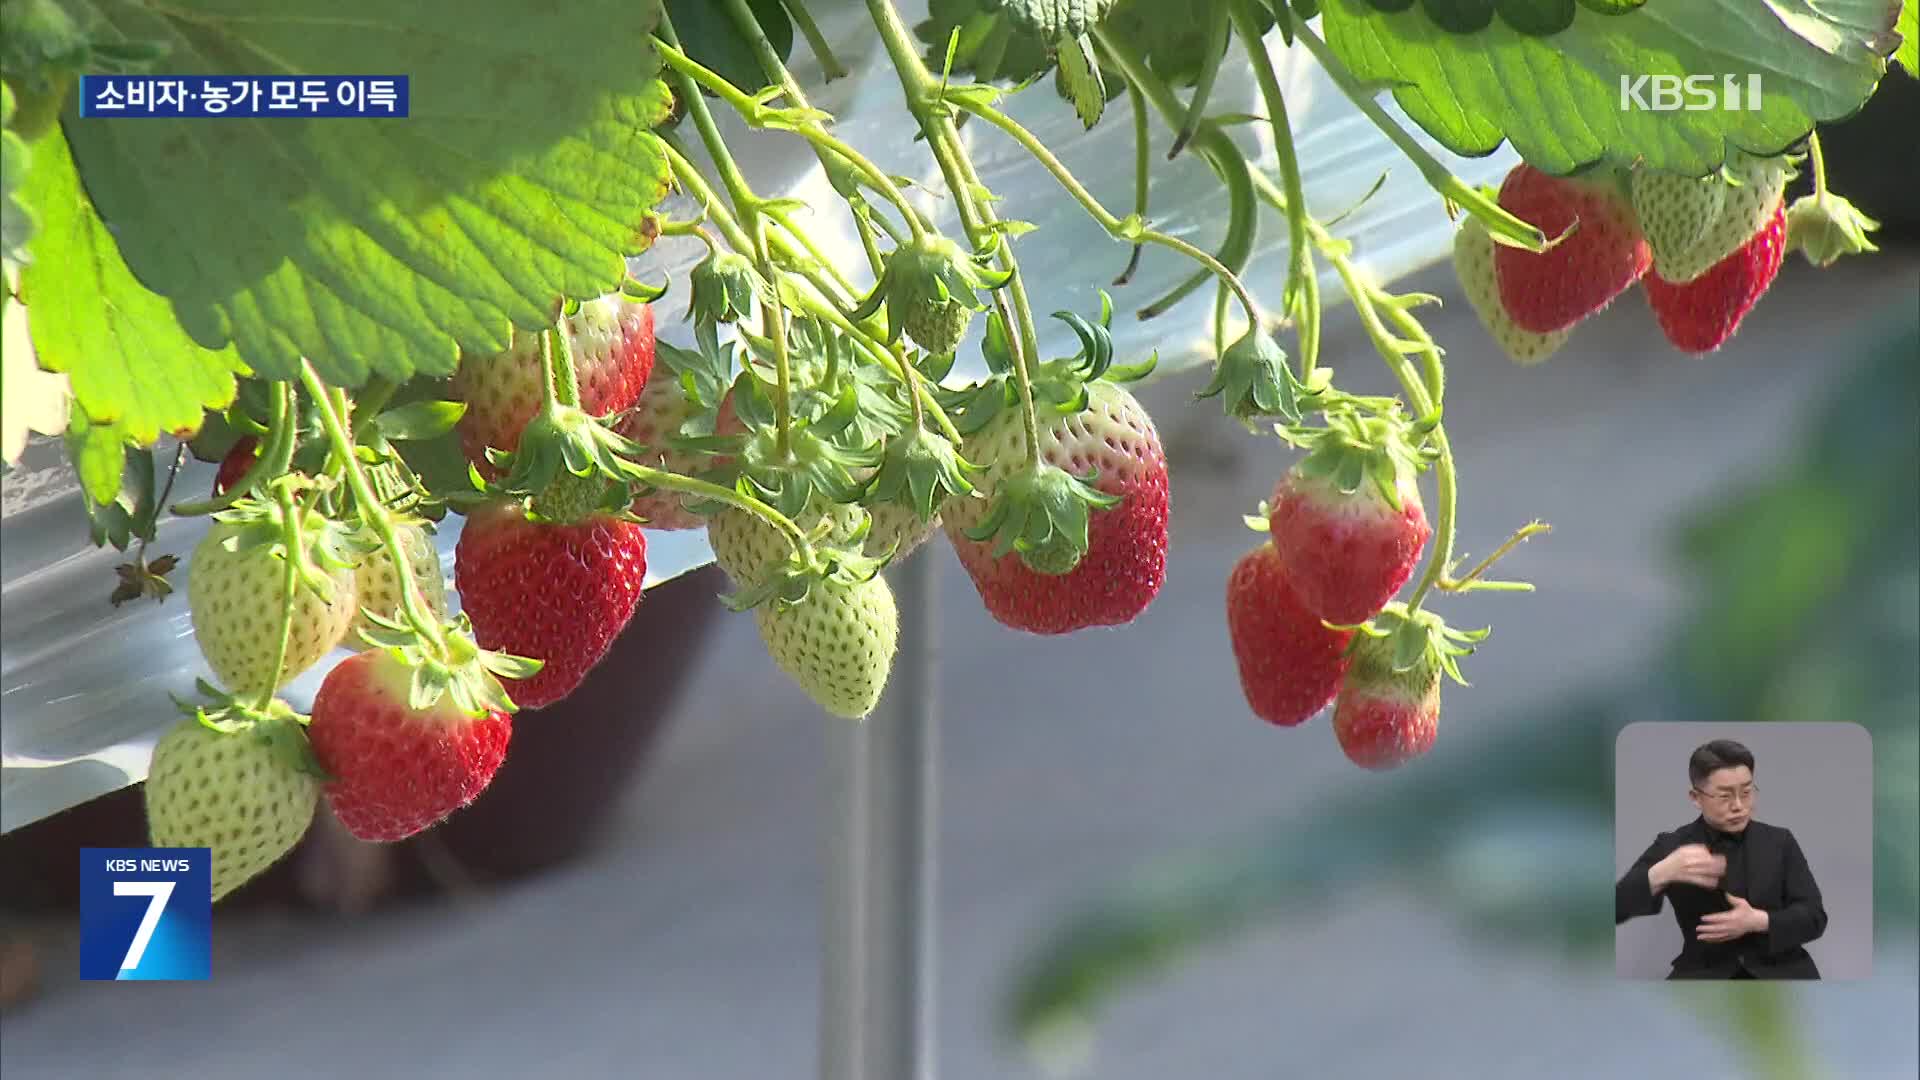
x: 1908, y: 55
x: 427, y: 419
x: 707, y: 34
x: 1080, y: 80
x: 119, y: 499
x: 1052, y: 20
x: 17, y: 222
x: 1559, y: 98
x: 1176, y: 38
x: 130, y: 366
x: 524, y: 173
x: 1536, y: 17
x: 99, y: 456
x: 989, y: 48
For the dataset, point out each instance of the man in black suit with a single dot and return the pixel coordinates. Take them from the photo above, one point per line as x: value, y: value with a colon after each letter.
x: 1742, y: 893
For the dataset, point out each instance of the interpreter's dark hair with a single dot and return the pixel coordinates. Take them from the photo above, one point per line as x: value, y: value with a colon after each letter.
x: 1718, y: 754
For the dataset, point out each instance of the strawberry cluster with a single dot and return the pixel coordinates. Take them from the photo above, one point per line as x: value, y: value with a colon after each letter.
x: 821, y: 441
x: 1310, y: 610
x: 1704, y: 250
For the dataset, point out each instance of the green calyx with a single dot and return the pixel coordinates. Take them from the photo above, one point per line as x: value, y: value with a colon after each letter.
x: 1059, y: 385
x: 285, y: 529
x: 1359, y: 449
x: 704, y: 373
x: 572, y: 465
x: 825, y: 367
x: 829, y: 556
x: 278, y: 725
x: 723, y: 287
x: 1042, y: 512
x: 1253, y: 379
x: 817, y: 462
x: 460, y: 669
x: 1405, y: 653
x: 921, y: 279
x: 921, y: 470
x: 1825, y: 226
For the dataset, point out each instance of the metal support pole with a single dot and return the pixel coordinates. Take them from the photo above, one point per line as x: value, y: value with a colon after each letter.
x: 877, y: 1003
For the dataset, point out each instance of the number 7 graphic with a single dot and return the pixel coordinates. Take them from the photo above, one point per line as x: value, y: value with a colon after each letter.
x: 158, y: 892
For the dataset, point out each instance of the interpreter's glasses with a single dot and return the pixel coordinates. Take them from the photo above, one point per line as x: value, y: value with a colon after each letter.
x: 1728, y: 798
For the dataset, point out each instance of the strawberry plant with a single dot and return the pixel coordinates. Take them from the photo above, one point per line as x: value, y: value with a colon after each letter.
x: 327, y: 308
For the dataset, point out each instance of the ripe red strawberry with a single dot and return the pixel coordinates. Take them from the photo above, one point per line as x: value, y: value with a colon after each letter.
x: 1126, y: 559
x: 1383, y: 718
x: 1554, y: 289
x: 1701, y: 315
x: 1290, y: 662
x: 611, y: 339
x: 233, y: 467
x: 555, y: 593
x: 1346, y: 553
x: 396, y: 770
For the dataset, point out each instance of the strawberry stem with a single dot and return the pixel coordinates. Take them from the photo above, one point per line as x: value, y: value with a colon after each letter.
x: 1228, y: 164
x: 748, y: 26
x: 556, y: 363
x: 830, y: 307
x: 1473, y: 580
x: 976, y: 217
x: 1500, y: 222
x: 1423, y: 394
x: 369, y: 400
x: 816, y: 41
x: 835, y: 155
x: 1122, y: 229
x: 1299, y: 252
x: 687, y: 485
x: 692, y: 78
x: 372, y: 511
x: 800, y: 120
x: 1819, y: 163
x: 785, y: 221
x: 290, y: 518
x: 773, y: 321
x: 1142, y: 174
x: 274, y: 459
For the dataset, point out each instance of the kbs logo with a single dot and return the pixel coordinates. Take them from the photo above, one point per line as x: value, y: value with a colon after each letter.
x: 1691, y: 93
x: 146, y: 913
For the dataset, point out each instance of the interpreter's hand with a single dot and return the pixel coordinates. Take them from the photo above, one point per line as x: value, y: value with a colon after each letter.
x: 1736, y: 922
x: 1692, y: 864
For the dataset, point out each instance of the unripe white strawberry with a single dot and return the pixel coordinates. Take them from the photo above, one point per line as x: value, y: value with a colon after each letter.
x: 1693, y: 223
x: 1473, y: 265
x: 236, y: 593
x: 377, y: 582
x: 238, y: 794
x: 838, y: 643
